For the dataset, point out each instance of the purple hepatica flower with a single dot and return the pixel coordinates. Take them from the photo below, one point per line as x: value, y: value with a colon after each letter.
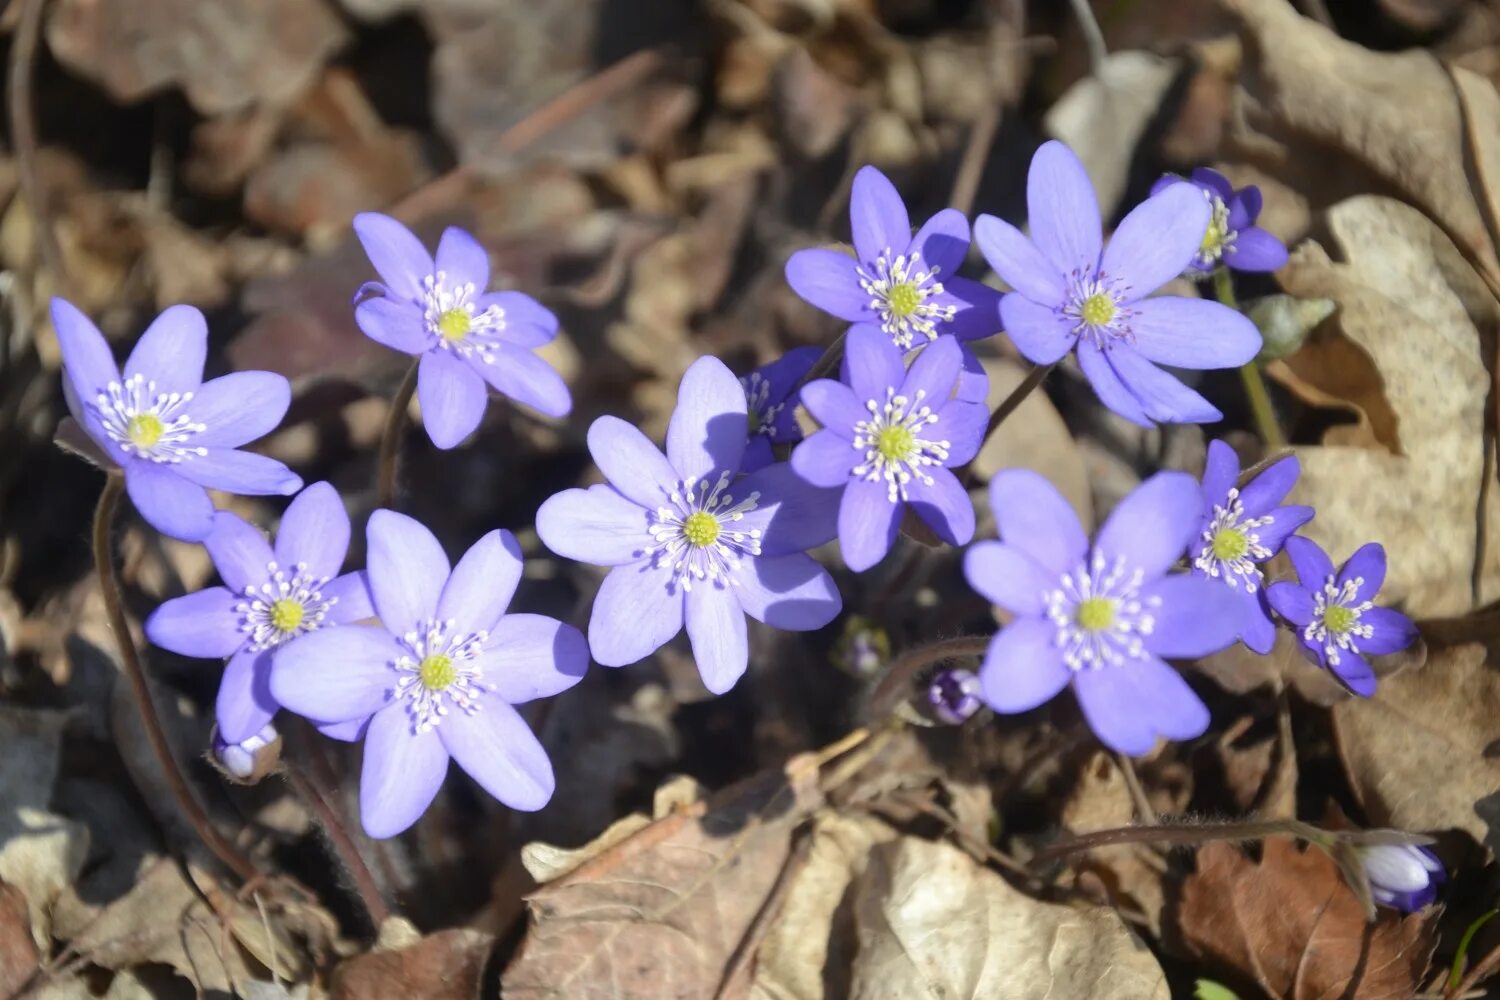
x: 900, y: 284
x: 438, y: 677
x: 1071, y: 290
x: 464, y: 335
x: 690, y: 543
x: 173, y: 435
x: 1101, y: 617
x: 270, y: 597
x: 1242, y: 528
x: 953, y: 695
x: 771, y: 403
x: 889, y: 437
x: 1404, y: 877
x: 1232, y: 235
x: 1334, y: 611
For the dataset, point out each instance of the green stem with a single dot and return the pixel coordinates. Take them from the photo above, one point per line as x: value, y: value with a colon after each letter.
x: 1255, y: 385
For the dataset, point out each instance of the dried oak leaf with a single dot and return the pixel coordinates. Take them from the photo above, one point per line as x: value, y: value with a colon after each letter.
x: 1132, y: 873
x: 934, y: 925
x: 1437, y: 720
x: 1292, y: 926
x: 447, y: 965
x: 18, y: 952
x: 659, y: 915
x: 226, y: 55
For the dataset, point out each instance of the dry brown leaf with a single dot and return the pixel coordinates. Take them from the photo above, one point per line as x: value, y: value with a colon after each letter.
x: 226, y: 55
x: 447, y: 965
x: 1419, y: 497
x: 1437, y: 720
x: 18, y: 951
x: 1294, y: 928
x: 659, y: 915
x: 1132, y: 873
x: 935, y: 925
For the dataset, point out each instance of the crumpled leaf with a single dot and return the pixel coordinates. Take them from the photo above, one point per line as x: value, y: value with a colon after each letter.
x: 1131, y: 873
x: 446, y: 965
x: 18, y: 951
x: 1437, y: 720
x: 224, y: 54
x: 1291, y: 925
x: 660, y: 914
x: 934, y: 924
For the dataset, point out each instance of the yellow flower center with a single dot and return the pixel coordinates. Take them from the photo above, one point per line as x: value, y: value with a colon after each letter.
x: 455, y: 324
x: 895, y: 444
x: 903, y: 299
x: 701, y: 529
x: 1213, y: 237
x: 145, y: 430
x: 1095, y: 614
x: 437, y: 672
x: 1230, y: 544
x: 754, y: 418
x: 1098, y: 309
x: 286, y: 614
x: 1338, y: 618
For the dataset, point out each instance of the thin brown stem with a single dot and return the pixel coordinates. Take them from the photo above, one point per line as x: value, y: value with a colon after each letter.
x: 1143, y: 811
x: 1183, y: 835
x: 343, y: 845
x: 109, y: 587
x: 891, y: 689
x: 390, y: 440
x: 1034, y: 378
x: 23, y: 135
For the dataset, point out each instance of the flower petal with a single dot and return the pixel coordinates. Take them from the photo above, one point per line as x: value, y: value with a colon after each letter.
x: 87, y: 360
x: 716, y: 627
x: 977, y: 309
x: 1393, y: 632
x: 942, y: 242
x: 1033, y: 516
x: 1160, y: 394
x: 973, y: 380
x: 1041, y: 333
x: 792, y: 514
x: 238, y: 408
x: 1108, y: 386
x: 1062, y: 209
x: 868, y: 522
x: 336, y: 674
x: 1007, y: 577
x: 463, y: 260
x: 528, y: 323
x: 1270, y: 486
x: 872, y: 364
x: 399, y: 257
x: 203, y: 624
x: 1023, y: 667
x: 789, y: 592
x: 452, y: 396
x: 1018, y: 261
x: 499, y: 751
x: 348, y: 731
x: 637, y: 610
x: 1312, y: 564
x: 169, y: 503
x: 963, y: 426
x: 171, y: 351
x: 1193, y: 333
x: 239, y: 551
x: 1208, y: 179
x: 1128, y: 705
x: 314, y: 530
x: 707, y: 433
x: 758, y: 453
x: 597, y: 525
x: 1284, y: 521
x: 245, y: 704
x: 631, y: 462
x: 397, y: 323
x: 481, y: 586
x: 408, y: 570
x: 1257, y: 627
x: 241, y: 472
x: 533, y: 656
x: 1254, y: 249
x: 877, y: 216
x: 1196, y: 616
x: 944, y: 506
x: 934, y: 373
x: 526, y: 378
x: 1366, y: 568
x: 829, y: 280
x: 1220, y: 473
x: 835, y: 406
x: 351, y: 597
x: 403, y: 770
x: 1356, y: 673
x: 1152, y: 526
x: 1155, y: 241
x: 786, y: 372
x: 1291, y: 602
x: 825, y: 459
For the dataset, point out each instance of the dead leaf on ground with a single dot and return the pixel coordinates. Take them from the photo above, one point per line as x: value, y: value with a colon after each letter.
x: 934, y: 924
x: 18, y: 950
x: 446, y: 965
x: 1132, y: 873
x: 1293, y: 927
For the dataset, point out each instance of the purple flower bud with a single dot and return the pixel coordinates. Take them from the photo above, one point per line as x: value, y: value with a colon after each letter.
x: 1402, y: 876
x: 954, y: 695
x: 249, y: 760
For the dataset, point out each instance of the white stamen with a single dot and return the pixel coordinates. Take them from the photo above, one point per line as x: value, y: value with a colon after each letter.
x: 1335, y: 639
x: 902, y: 276
x: 259, y: 608
x: 717, y: 560
x: 1242, y: 569
x: 479, y: 339
x: 122, y: 406
x: 757, y: 396
x: 893, y: 445
x: 430, y: 704
x: 1130, y: 616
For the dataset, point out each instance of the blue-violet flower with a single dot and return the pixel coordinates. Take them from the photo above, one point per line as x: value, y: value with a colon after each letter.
x: 771, y: 393
x: 1404, y: 877
x: 953, y: 695
x: 1232, y: 235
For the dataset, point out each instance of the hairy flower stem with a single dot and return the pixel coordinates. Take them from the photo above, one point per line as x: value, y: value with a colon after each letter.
x: 826, y: 366
x: 343, y: 845
x: 109, y: 587
x: 390, y: 440
x: 1186, y: 834
x: 1017, y: 396
x: 893, y: 687
x: 1255, y: 385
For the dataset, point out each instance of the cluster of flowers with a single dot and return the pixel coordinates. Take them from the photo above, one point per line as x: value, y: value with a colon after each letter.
x: 420, y: 659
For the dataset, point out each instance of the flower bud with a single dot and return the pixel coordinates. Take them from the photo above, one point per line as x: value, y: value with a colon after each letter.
x: 1402, y: 876
x: 247, y: 762
x: 1285, y: 322
x: 953, y: 695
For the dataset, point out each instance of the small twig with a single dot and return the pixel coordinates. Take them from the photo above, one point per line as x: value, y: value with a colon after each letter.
x: 390, y: 439
x: 1093, y: 36
x: 1181, y: 835
x: 1143, y: 811
x: 23, y: 135
x: 750, y: 941
x: 109, y: 587
x: 891, y: 689
x: 343, y: 845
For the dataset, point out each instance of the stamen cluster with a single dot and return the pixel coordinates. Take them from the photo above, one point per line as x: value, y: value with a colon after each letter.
x: 899, y: 289
x: 283, y: 607
x: 893, y: 445
x: 692, y: 534
x: 440, y: 672
x: 1099, y: 614
x: 146, y: 423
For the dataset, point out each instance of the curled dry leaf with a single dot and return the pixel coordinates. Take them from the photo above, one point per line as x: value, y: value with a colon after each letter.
x: 18, y: 951
x: 447, y: 965
x: 1437, y: 720
x: 932, y: 923
x: 1131, y: 873
x: 1290, y: 925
